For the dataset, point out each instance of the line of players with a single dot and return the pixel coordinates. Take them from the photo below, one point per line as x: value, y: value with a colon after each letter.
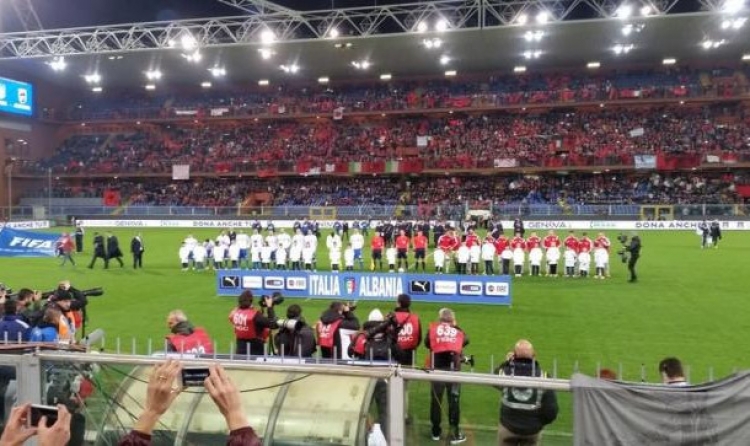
x: 471, y: 255
x: 276, y: 250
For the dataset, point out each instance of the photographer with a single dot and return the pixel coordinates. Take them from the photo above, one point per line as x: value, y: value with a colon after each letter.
x: 446, y: 342
x: 295, y: 337
x: 634, y: 249
x: 251, y: 327
x: 524, y: 411
x: 409, y: 331
x: 377, y: 342
x: 79, y: 301
x: 186, y: 338
x: 30, y: 306
x: 339, y: 315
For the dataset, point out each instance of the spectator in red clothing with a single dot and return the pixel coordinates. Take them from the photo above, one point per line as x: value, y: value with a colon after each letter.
x: 161, y: 393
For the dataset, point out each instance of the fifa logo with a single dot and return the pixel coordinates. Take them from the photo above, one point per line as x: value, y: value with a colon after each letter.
x: 350, y: 285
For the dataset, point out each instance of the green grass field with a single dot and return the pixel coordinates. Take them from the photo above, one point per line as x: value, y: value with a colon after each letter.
x: 689, y: 303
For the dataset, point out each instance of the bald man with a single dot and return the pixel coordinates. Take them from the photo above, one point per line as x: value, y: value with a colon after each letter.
x: 524, y: 411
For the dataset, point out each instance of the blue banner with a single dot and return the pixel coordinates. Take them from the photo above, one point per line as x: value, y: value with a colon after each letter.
x: 17, y: 243
x: 347, y: 285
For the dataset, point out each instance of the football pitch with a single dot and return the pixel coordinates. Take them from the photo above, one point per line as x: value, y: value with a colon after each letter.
x: 689, y: 303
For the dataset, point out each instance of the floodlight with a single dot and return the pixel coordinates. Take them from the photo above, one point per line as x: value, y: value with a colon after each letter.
x: 519, y: 69
x: 441, y: 25
x: 266, y: 53
x: 194, y: 57
x: 385, y: 77
x: 646, y: 11
x: 290, y: 69
x: 450, y: 73
x: 746, y: 57
x: 522, y: 19
x: 445, y: 59
x: 533, y: 36
x: 263, y: 82
x: 624, y: 11
x: 97, y: 89
x: 422, y: 26
x: 333, y: 33
x: 542, y: 18
x: 93, y: 78
x: 153, y: 75
x: 188, y: 42
x: 267, y: 36
x: 323, y: 80
x: 733, y: 6
x: 205, y: 84
x: 150, y: 87
x: 361, y: 64
x: 528, y: 54
x: 593, y: 65
x: 58, y: 63
x: 669, y: 61
x: 217, y: 71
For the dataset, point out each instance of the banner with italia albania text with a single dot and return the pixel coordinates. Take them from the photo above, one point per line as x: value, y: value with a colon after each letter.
x: 346, y: 285
x: 18, y: 243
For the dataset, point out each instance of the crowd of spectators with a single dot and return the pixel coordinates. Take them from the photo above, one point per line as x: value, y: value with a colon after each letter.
x: 464, y: 92
x: 429, y: 192
x: 605, y: 137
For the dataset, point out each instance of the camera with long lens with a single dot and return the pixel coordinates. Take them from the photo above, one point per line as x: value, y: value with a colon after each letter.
x: 623, y: 253
x: 467, y: 359
x: 276, y: 299
x: 352, y: 305
x: 290, y: 324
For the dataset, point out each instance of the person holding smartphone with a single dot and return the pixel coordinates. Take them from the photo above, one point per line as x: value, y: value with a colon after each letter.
x: 20, y: 428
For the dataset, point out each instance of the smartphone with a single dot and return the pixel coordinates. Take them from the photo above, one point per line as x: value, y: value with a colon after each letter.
x: 38, y: 411
x: 194, y: 376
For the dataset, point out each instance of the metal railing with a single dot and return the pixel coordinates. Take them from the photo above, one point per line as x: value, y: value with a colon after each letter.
x: 457, y: 211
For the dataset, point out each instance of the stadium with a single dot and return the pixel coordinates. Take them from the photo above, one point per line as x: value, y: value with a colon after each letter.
x: 365, y: 132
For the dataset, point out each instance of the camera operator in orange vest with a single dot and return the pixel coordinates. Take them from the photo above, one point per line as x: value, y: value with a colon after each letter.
x: 446, y: 341
x: 251, y: 326
x: 409, y: 331
x: 339, y: 315
x: 184, y: 337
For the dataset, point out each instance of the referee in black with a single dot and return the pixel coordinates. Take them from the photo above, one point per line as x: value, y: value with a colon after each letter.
x: 634, y: 248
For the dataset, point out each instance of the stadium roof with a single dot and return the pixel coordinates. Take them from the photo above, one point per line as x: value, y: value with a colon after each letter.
x: 228, y: 34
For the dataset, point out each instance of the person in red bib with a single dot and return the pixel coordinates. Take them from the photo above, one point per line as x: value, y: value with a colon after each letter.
x: 409, y: 330
x: 376, y: 247
x: 251, y: 326
x: 402, y: 248
x: 420, y: 250
x: 446, y: 342
x: 551, y: 240
x: 185, y: 338
x: 338, y: 316
x: 472, y: 239
x: 606, y: 244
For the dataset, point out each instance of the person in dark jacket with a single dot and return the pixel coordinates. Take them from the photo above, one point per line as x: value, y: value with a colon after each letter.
x: 338, y: 316
x: 100, y: 251
x: 113, y: 249
x: 524, y: 411
x: 136, y: 248
x: 13, y: 329
x: 79, y: 237
x: 30, y: 306
x: 298, y: 340
x: 377, y: 342
x: 161, y: 394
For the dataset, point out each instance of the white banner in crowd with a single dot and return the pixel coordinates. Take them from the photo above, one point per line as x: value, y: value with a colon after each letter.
x: 530, y: 225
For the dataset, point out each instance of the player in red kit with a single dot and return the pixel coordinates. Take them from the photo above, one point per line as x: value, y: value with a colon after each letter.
x: 551, y: 244
x: 376, y: 246
x: 471, y: 239
x: 533, y: 241
x: 448, y: 243
x: 402, y: 248
x: 420, y: 250
x: 604, y: 242
x: 571, y: 242
x: 585, y: 243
